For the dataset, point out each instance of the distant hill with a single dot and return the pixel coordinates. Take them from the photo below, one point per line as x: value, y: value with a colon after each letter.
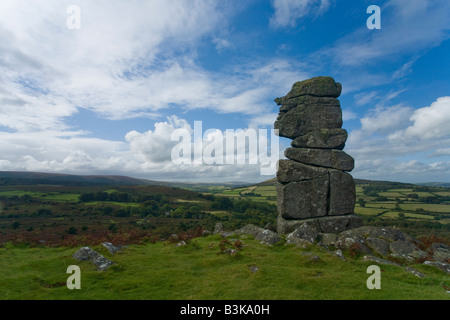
x: 34, y: 178
x: 435, y: 184
x: 40, y: 178
x: 270, y: 182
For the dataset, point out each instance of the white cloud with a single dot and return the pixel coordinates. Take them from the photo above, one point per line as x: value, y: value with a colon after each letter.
x: 428, y: 123
x: 397, y: 143
x: 412, y: 171
x: 117, y: 65
x: 222, y: 44
x: 287, y: 12
x: 121, y: 70
x: 366, y: 98
x: 404, y: 70
x: 122, y: 63
x: 155, y: 146
x: 347, y: 114
x: 440, y: 152
x: 265, y: 120
x: 145, y: 155
x: 385, y: 120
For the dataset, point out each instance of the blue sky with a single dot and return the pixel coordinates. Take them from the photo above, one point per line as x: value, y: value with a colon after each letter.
x: 105, y: 98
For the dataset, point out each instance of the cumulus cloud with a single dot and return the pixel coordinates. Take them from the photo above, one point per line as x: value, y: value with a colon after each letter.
x: 392, y: 139
x: 155, y: 146
x: 146, y: 155
x: 114, y: 65
x: 136, y: 68
x: 412, y: 171
x: 384, y: 120
x: 431, y: 122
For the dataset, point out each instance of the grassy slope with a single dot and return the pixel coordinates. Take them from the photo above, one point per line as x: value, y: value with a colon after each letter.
x: 196, y: 271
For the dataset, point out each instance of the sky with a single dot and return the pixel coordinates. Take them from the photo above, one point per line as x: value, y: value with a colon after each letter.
x: 102, y: 86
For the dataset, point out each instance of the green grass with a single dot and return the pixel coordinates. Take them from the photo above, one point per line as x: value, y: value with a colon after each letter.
x: 19, y: 193
x: 123, y: 204
x: 392, y: 195
x: 197, y: 271
x: 429, y: 207
x: 62, y: 197
x: 444, y: 194
x: 219, y: 213
x: 235, y: 195
x: 394, y: 215
x: 368, y: 211
x: 405, y: 191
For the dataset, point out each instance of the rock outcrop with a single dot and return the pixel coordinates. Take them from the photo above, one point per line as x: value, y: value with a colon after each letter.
x: 88, y: 254
x: 313, y: 183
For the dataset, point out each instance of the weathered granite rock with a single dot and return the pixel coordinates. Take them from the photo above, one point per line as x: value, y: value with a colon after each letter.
x: 353, y: 244
x: 303, y: 199
x: 334, y: 225
x: 402, y: 247
x: 111, y: 248
x: 336, y: 190
x: 339, y: 224
x: 328, y: 158
x: 328, y: 239
x: 292, y: 171
x: 302, y: 101
x: 378, y: 246
x: 265, y: 236
x: 415, y: 272
x: 441, y: 252
x: 342, y: 193
x: 302, y: 119
x: 388, y: 234
x: 304, y: 232
x: 313, y: 183
x: 322, y: 139
x: 318, y: 86
x: 87, y: 254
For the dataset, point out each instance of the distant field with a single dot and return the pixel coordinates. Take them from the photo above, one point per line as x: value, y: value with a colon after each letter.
x: 122, y: 204
x: 369, y: 211
x: 407, y: 215
x: 19, y: 193
x: 442, y: 208
x: 62, y: 197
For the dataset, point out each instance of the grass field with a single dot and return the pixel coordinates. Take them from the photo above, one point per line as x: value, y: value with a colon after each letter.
x: 196, y: 271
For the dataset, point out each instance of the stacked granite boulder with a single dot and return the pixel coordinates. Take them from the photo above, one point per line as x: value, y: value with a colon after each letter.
x: 314, y: 185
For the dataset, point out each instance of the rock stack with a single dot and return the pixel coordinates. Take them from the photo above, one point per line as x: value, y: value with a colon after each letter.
x: 314, y: 185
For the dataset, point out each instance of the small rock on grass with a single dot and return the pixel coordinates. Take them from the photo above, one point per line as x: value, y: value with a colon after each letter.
x: 415, y: 272
x: 111, y: 248
x: 253, y: 268
x: 87, y: 254
x: 379, y: 260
